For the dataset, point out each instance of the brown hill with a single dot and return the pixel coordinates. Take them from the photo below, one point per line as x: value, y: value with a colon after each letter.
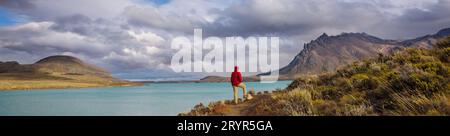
x: 55, y: 72
x: 68, y: 65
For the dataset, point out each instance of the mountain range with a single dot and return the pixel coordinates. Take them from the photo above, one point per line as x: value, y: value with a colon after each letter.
x: 328, y: 53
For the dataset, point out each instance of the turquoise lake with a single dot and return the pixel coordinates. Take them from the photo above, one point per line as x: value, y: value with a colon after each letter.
x: 166, y: 99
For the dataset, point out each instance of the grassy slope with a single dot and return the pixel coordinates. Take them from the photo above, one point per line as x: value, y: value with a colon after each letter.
x: 24, y: 81
x: 409, y: 82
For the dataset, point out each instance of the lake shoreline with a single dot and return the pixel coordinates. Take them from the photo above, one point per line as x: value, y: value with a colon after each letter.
x: 70, y: 86
x: 124, y: 84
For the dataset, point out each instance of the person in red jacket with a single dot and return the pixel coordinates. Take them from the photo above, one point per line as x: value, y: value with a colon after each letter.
x: 236, y: 81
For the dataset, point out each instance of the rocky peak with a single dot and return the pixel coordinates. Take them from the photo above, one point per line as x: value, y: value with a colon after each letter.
x: 325, y: 39
x: 323, y: 36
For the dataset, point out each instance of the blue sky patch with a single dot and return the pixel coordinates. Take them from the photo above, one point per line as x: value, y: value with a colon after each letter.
x: 7, y: 18
x: 159, y: 2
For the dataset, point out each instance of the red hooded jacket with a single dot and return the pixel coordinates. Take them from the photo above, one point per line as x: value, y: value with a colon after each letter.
x: 236, y: 77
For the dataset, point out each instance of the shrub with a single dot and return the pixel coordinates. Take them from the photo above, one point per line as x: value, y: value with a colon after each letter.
x: 343, y: 84
x: 354, y: 98
x: 364, y: 82
x: 329, y: 92
x: 434, y: 67
x: 380, y: 99
x: 324, y: 107
x: 296, y: 102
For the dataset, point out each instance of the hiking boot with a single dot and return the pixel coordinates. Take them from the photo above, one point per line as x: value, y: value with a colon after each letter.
x: 249, y: 97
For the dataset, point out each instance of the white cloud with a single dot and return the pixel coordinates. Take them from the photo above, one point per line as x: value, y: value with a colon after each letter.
x: 152, y: 50
x: 147, y: 38
x: 31, y: 26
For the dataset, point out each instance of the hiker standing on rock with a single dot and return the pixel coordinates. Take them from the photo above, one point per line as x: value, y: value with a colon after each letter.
x: 236, y: 81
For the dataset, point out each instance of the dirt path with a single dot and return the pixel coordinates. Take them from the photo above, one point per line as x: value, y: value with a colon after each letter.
x: 228, y: 108
x: 238, y: 109
x: 245, y: 108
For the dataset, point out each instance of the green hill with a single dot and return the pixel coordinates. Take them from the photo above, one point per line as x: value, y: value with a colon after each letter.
x: 411, y: 81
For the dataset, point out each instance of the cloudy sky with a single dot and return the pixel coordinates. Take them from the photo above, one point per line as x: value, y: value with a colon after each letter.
x: 131, y: 38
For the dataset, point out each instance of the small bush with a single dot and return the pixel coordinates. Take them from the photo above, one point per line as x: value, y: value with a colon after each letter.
x: 325, y: 107
x: 296, y: 102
